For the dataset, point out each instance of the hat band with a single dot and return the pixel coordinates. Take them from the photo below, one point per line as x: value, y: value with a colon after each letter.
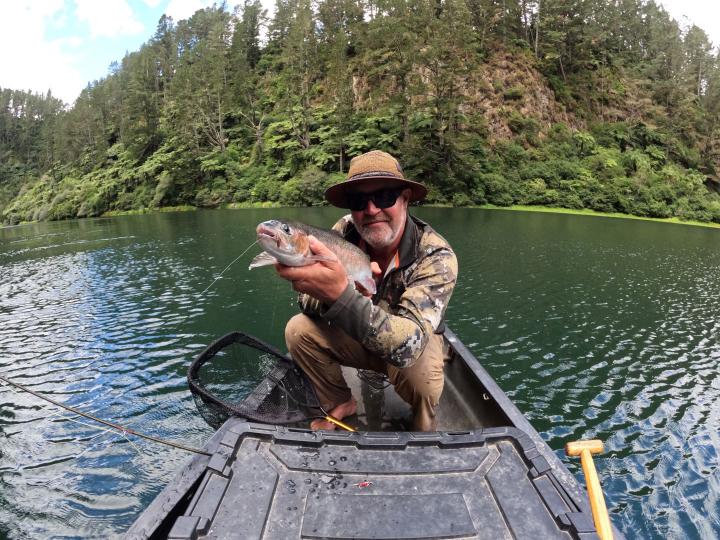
x: 375, y: 174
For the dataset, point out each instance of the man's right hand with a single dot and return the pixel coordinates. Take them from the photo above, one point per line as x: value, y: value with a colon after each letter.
x: 325, y: 280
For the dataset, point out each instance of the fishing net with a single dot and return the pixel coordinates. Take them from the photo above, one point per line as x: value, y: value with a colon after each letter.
x: 240, y: 375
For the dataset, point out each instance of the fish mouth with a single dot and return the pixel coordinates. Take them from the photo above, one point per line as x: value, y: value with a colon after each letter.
x: 265, y: 232
x: 268, y: 238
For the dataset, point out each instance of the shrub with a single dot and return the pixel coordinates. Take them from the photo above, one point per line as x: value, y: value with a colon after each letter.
x: 536, y: 192
x: 478, y: 195
x: 559, y: 133
x: 656, y: 154
x: 461, y: 199
x: 164, y: 188
x: 497, y: 188
x: 512, y: 154
x: 584, y: 142
x: 568, y: 199
x: 523, y: 125
x: 307, y: 189
x: 266, y: 188
x: 513, y: 94
x: 611, y: 135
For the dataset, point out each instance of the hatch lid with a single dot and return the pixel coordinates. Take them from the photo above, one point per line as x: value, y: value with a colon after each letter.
x: 277, y: 483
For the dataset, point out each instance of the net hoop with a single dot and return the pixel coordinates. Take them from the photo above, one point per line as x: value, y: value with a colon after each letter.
x: 246, y: 408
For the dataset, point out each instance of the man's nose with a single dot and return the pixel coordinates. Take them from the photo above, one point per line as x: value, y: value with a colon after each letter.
x: 371, y: 209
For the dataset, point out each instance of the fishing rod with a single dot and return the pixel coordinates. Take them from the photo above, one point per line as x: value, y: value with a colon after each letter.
x: 117, y: 427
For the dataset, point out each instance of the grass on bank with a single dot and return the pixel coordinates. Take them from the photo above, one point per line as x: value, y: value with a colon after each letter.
x: 586, y: 212
x: 140, y: 211
x: 188, y: 208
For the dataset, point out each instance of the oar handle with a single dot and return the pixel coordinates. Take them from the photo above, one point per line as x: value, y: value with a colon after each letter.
x: 585, y: 449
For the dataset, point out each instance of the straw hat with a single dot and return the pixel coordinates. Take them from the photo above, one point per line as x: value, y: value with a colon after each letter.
x: 375, y: 167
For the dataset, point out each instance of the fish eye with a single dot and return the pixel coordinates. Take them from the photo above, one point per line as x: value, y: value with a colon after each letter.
x: 286, y: 228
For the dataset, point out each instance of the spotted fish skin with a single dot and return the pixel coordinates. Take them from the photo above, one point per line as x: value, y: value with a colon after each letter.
x: 287, y: 242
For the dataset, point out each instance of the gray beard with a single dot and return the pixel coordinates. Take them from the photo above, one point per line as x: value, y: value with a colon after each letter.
x: 378, y: 239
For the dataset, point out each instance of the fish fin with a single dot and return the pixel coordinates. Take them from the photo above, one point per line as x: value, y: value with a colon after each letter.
x: 367, y: 284
x: 262, y: 259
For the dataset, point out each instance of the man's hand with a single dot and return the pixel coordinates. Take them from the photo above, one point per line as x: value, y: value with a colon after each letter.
x: 324, y: 280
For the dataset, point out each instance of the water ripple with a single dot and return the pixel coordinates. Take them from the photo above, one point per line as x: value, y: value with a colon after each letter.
x: 80, y: 321
x: 595, y: 328
x: 627, y: 352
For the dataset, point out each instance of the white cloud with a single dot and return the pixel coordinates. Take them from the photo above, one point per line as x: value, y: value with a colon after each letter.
x: 108, y: 18
x: 702, y: 13
x: 28, y: 61
x: 184, y: 9
x: 73, y: 42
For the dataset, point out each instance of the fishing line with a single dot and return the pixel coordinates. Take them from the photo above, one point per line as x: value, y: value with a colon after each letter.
x: 103, y: 432
x: 122, y: 429
x: 228, y: 266
x: 200, y: 295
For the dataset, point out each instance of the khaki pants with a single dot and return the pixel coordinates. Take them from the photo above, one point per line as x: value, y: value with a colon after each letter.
x: 320, y: 348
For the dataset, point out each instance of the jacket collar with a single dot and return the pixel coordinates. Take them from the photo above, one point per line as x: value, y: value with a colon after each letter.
x: 408, y: 248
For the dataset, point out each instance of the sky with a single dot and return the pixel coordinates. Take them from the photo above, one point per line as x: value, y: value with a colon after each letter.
x: 62, y: 45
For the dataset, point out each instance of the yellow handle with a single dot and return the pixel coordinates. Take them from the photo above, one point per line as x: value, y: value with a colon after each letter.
x: 585, y: 449
x: 338, y: 423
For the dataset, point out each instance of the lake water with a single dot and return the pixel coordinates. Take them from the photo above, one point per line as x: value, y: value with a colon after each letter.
x: 596, y: 327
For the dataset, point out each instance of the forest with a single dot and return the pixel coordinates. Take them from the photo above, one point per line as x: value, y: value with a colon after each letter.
x: 608, y: 105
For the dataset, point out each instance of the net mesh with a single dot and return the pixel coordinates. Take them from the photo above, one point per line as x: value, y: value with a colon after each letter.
x: 240, y: 375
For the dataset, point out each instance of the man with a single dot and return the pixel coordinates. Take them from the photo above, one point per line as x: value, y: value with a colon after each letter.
x: 395, y: 332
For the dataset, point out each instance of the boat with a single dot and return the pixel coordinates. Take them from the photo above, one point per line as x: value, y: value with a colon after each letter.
x: 486, y: 473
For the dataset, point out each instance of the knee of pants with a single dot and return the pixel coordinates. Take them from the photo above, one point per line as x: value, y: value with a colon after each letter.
x: 425, y: 385
x: 297, y: 328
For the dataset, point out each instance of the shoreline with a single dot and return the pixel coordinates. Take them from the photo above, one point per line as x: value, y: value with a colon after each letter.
x: 593, y: 213
x: 514, y: 208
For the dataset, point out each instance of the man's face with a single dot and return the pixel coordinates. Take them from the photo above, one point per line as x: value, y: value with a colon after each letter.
x: 382, y: 227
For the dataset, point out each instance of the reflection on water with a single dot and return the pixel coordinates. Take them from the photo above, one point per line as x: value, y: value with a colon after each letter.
x: 595, y: 327
x: 601, y: 328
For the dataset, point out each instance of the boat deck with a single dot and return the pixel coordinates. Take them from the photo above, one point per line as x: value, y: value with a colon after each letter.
x: 485, y: 474
x: 273, y: 482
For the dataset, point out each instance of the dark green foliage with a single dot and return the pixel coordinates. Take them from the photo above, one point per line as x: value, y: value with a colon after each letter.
x: 206, y: 113
x: 514, y: 93
x: 308, y: 188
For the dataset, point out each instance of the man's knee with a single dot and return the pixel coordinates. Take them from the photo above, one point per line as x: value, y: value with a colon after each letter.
x: 424, y: 380
x: 425, y: 384
x: 298, y: 327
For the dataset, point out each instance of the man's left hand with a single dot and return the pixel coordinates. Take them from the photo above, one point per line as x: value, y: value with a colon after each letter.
x: 325, y: 280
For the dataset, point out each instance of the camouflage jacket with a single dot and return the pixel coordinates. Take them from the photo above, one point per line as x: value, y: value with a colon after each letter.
x: 411, y: 298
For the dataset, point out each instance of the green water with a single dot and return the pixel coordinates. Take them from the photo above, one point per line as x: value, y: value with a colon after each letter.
x: 595, y: 327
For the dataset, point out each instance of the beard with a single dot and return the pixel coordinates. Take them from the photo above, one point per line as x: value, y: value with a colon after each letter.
x: 380, y: 236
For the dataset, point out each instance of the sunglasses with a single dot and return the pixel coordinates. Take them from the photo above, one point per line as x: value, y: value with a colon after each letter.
x: 383, y: 198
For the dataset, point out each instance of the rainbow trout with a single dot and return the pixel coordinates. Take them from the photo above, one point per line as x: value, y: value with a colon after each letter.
x: 287, y: 242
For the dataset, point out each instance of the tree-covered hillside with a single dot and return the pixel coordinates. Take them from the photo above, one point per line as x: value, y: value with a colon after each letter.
x: 607, y: 105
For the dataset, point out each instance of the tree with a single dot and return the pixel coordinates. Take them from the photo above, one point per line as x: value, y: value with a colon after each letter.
x: 199, y: 86
x: 244, y: 55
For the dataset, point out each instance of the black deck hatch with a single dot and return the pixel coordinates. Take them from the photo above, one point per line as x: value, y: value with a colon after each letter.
x: 277, y: 483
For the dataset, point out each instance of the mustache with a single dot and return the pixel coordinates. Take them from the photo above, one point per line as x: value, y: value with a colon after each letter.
x: 370, y: 221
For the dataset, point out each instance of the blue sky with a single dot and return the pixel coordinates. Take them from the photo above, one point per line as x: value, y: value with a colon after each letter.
x: 64, y: 44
